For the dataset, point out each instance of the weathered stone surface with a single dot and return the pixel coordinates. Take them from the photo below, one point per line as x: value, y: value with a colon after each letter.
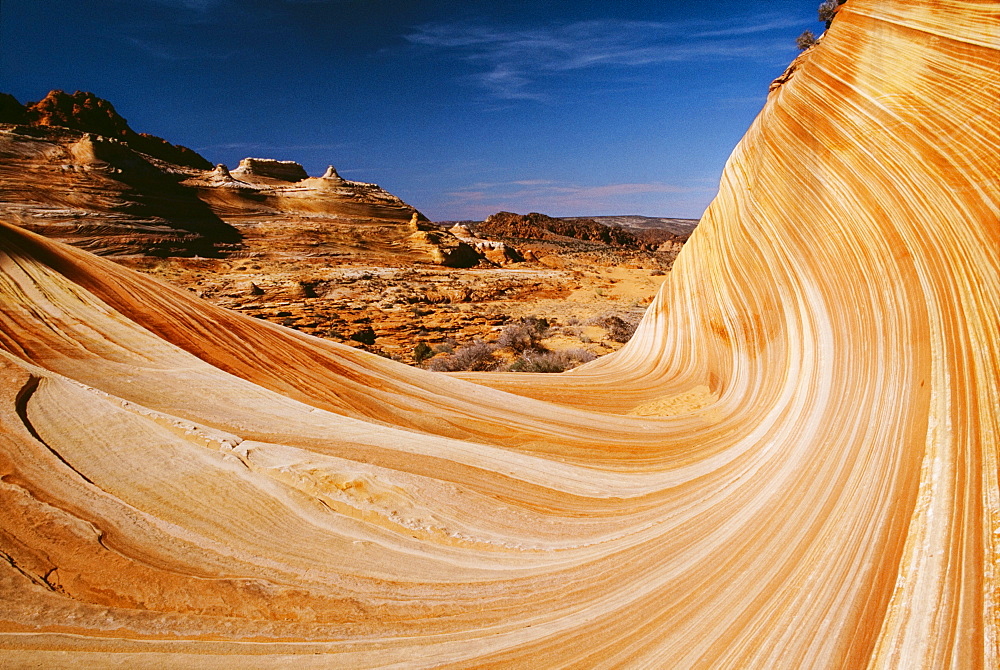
x: 88, y: 113
x: 792, y: 464
x: 331, y: 174
x: 274, y: 169
x: 99, y: 192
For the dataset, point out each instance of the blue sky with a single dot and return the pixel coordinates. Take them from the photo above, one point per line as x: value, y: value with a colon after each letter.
x: 460, y: 108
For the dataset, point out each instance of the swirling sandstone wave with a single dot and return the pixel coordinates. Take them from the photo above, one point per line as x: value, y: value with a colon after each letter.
x: 792, y: 464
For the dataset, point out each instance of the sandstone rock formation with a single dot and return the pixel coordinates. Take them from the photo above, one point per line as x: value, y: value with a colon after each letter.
x: 96, y: 189
x: 493, y: 251
x: 11, y: 111
x: 89, y: 113
x: 793, y: 464
x: 541, y: 226
x: 331, y: 174
x: 443, y: 247
x: 274, y: 169
x: 101, y: 194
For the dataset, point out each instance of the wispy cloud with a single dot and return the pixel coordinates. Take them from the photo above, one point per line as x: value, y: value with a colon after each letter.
x: 751, y: 28
x: 308, y: 153
x: 511, y: 61
x: 564, y: 198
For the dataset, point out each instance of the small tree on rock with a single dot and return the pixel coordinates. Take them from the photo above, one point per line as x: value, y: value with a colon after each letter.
x: 805, y: 40
x: 828, y: 9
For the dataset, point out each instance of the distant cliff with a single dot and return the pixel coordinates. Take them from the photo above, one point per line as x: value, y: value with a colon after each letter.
x: 541, y: 227
x: 537, y: 226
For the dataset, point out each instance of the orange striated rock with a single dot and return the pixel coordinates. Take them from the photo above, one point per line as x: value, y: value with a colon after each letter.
x: 89, y: 113
x: 792, y: 464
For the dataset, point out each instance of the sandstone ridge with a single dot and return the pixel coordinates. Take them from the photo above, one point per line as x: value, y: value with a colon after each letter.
x: 275, y: 169
x: 792, y: 464
x: 72, y: 168
x: 89, y: 113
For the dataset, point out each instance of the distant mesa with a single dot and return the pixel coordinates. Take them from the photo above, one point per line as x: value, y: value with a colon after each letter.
x: 270, y: 168
x: 626, y: 232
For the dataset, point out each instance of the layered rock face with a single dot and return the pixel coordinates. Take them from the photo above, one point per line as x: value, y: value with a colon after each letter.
x: 540, y: 226
x: 99, y: 193
x: 72, y: 169
x: 274, y: 169
x: 792, y: 464
x: 89, y: 113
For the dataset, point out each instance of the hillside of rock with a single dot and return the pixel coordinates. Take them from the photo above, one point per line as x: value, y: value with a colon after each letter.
x: 101, y: 194
x: 267, y: 239
x: 86, y: 112
x: 535, y: 226
x: 71, y: 168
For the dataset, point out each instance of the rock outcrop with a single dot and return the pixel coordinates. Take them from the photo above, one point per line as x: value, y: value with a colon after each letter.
x: 11, y: 111
x: 542, y: 227
x: 442, y: 247
x: 498, y: 253
x: 89, y: 113
x: 79, y: 174
x: 331, y: 175
x: 792, y: 464
x: 101, y: 194
x: 274, y: 169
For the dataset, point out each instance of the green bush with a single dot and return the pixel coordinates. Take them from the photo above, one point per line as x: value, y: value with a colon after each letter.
x: 422, y: 352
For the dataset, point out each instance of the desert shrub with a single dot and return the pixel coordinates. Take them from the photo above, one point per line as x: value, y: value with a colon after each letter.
x: 618, y: 329
x: 828, y: 9
x: 550, y: 361
x: 422, y: 352
x: 805, y: 40
x: 365, y: 335
x: 477, y: 357
x: 445, y: 347
x: 523, y: 334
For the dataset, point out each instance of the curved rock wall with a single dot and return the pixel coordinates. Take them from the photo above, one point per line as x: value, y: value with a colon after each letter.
x: 813, y: 482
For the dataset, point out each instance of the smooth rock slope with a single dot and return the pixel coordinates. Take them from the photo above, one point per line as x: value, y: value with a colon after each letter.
x: 793, y: 464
